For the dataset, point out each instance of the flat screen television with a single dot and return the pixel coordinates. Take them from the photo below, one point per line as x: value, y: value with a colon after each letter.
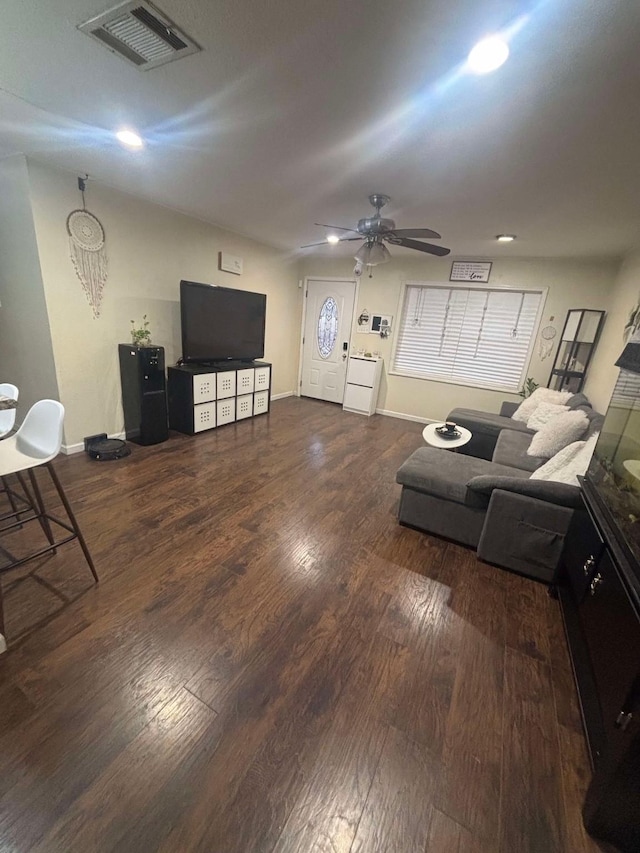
x: 221, y: 323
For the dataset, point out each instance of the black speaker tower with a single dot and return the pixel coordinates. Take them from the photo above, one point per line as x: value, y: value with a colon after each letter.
x: 144, y: 393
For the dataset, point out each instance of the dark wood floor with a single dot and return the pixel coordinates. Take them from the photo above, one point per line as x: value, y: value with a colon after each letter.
x: 271, y: 662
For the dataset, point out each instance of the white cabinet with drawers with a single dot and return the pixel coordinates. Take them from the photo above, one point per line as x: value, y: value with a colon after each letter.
x: 225, y: 411
x: 204, y: 387
x: 244, y: 406
x: 226, y: 384
x: 262, y: 380
x: 204, y: 416
x: 245, y: 381
x: 260, y: 402
x: 202, y: 398
x: 363, y: 384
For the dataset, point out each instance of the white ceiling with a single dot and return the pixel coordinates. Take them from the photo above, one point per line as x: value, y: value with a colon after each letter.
x: 296, y: 110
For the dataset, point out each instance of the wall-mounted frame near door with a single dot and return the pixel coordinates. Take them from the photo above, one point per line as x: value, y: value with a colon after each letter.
x: 325, y: 337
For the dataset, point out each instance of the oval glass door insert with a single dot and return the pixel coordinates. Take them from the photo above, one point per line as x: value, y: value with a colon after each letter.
x: 327, y: 327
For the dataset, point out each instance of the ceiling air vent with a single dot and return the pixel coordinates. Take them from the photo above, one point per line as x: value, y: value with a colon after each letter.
x: 141, y: 34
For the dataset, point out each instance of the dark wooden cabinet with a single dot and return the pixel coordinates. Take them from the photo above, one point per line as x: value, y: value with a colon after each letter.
x: 602, y: 619
x: 582, y: 550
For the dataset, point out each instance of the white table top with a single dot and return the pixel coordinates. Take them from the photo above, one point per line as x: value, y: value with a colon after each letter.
x: 431, y: 437
x: 633, y: 467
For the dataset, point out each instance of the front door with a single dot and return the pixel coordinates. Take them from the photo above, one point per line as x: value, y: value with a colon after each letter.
x: 327, y: 331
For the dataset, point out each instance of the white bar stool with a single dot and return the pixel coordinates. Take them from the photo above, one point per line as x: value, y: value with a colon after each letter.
x: 7, y: 416
x: 35, y: 445
x: 7, y: 420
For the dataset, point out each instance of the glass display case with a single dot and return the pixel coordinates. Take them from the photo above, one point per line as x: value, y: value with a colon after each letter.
x: 614, y: 472
x: 577, y: 344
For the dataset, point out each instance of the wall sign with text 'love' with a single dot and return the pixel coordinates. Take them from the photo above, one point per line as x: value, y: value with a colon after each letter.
x: 470, y: 271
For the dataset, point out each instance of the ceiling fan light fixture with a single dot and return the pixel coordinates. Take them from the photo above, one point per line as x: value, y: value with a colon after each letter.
x: 378, y: 254
x: 505, y: 238
x: 333, y: 239
x: 372, y: 254
x: 488, y: 55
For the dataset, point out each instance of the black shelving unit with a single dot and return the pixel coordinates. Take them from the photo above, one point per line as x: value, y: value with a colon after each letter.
x: 577, y: 344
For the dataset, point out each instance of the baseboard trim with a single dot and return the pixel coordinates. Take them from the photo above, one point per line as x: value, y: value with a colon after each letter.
x: 404, y: 417
x: 70, y: 449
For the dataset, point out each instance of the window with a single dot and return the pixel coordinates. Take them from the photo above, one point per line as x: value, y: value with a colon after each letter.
x: 467, y: 335
x: 626, y: 393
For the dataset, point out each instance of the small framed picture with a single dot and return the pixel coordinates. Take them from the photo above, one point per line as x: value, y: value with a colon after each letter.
x: 229, y: 263
x: 381, y: 324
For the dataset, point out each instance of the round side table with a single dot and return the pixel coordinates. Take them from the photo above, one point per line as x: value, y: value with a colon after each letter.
x: 431, y: 437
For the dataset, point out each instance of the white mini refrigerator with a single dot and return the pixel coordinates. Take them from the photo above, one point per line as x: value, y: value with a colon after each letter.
x: 363, y: 384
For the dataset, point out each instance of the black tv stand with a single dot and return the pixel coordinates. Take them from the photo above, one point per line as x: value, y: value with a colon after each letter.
x: 205, y: 396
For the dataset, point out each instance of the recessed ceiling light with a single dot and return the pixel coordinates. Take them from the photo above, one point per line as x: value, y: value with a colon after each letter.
x: 487, y: 55
x: 130, y: 139
x: 333, y: 238
x: 506, y: 238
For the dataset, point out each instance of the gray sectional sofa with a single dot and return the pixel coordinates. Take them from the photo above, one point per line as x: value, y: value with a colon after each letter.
x: 486, y: 427
x: 491, y: 505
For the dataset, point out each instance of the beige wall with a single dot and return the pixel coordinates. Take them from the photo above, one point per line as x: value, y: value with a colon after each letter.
x: 625, y: 295
x: 571, y: 284
x: 26, y: 352
x: 149, y: 248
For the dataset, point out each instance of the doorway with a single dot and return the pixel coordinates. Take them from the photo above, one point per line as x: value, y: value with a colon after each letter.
x: 328, y: 320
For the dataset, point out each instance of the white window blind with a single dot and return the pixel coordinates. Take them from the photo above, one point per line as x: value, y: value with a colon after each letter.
x: 471, y: 336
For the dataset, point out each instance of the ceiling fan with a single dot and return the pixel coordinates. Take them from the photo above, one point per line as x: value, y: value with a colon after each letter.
x: 376, y: 230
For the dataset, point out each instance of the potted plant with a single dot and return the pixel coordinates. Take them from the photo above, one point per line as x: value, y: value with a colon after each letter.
x: 140, y: 335
x: 529, y: 387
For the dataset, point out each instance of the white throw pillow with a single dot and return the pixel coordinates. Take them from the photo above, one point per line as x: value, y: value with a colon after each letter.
x: 543, y: 414
x: 569, y: 463
x: 540, y: 395
x: 558, y: 433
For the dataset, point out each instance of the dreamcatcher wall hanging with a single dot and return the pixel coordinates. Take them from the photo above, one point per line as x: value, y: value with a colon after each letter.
x: 87, y: 249
x: 545, y: 344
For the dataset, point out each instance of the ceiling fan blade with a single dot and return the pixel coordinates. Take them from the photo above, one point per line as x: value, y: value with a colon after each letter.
x: 326, y: 242
x: 417, y: 232
x: 337, y: 227
x: 422, y: 247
